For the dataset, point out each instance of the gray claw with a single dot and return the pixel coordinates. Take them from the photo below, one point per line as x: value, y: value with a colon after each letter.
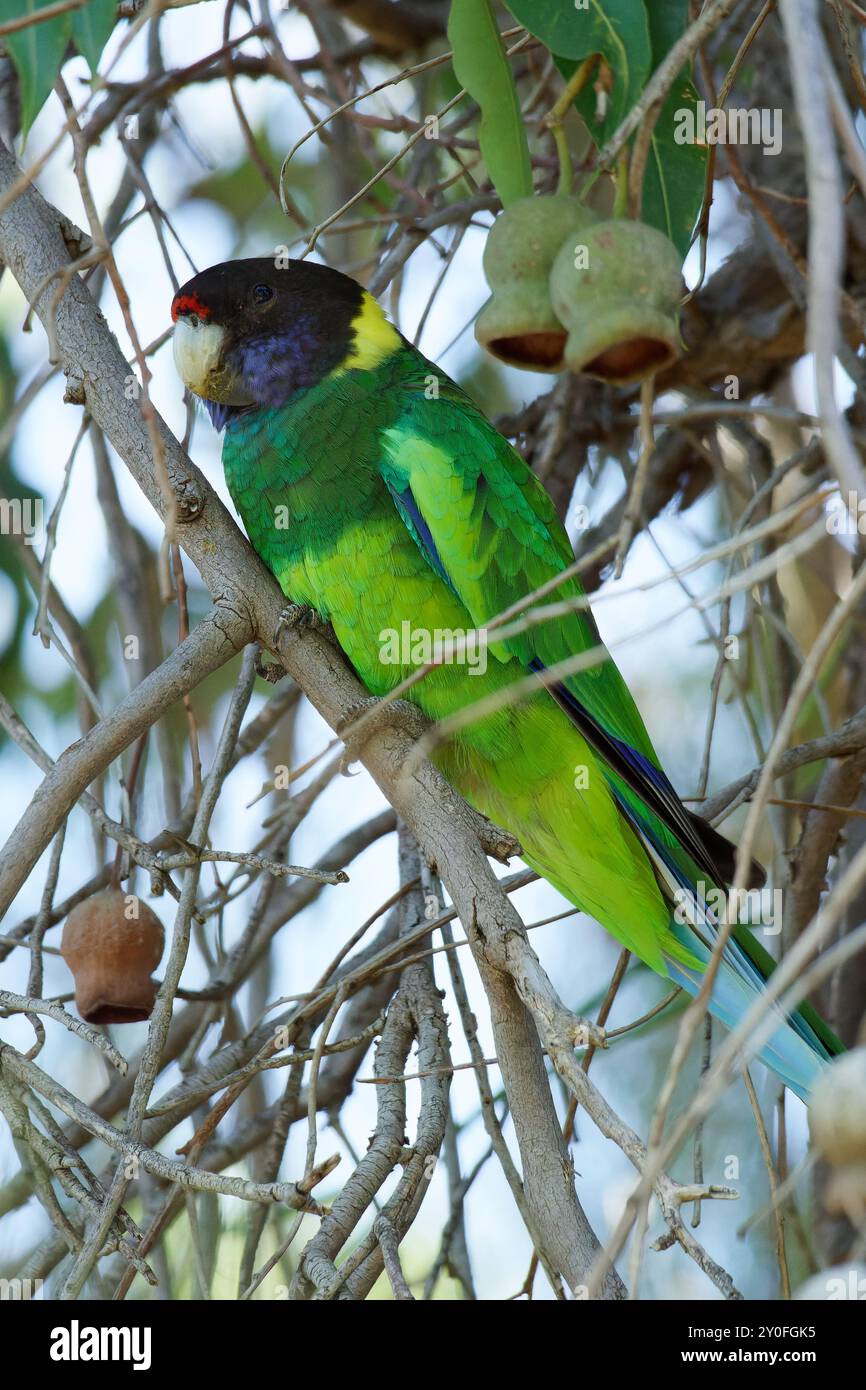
x: 302, y: 617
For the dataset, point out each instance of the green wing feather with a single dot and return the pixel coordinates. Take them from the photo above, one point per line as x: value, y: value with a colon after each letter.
x: 499, y: 538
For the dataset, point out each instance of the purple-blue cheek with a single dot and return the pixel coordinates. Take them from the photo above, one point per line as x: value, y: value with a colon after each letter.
x: 274, y: 368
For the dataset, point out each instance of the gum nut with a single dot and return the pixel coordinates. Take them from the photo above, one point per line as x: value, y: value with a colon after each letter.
x: 112, y: 942
x: 617, y: 290
x: 517, y: 324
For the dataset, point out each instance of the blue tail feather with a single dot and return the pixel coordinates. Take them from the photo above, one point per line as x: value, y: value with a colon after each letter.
x: 793, y: 1050
x: 795, y: 1060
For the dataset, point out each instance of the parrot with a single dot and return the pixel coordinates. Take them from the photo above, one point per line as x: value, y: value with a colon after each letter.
x: 386, y: 503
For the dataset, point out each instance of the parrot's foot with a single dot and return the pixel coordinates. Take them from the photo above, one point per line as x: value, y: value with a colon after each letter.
x: 303, y: 618
x: 372, y: 715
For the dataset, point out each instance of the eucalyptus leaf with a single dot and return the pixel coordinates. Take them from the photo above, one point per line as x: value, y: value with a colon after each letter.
x: 37, y: 53
x: 633, y: 37
x: 617, y: 29
x: 92, y: 27
x: 675, y: 174
x: 483, y: 69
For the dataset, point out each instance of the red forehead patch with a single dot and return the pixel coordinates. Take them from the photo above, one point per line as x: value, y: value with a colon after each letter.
x: 188, y: 304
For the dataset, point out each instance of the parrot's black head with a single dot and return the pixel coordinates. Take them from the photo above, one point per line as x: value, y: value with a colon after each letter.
x: 253, y: 333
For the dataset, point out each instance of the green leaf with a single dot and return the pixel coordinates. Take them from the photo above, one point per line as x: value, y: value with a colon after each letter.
x: 674, y: 182
x: 91, y: 29
x: 483, y: 69
x: 617, y: 29
x: 37, y: 53
x: 633, y: 38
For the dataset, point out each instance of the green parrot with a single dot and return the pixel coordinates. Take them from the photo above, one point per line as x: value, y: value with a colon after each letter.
x: 380, y: 496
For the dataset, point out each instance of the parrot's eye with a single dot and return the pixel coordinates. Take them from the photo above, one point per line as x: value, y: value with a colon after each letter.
x: 193, y: 320
x: 262, y: 294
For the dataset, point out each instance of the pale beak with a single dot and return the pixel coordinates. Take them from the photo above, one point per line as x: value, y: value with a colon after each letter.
x: 198, y: 358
